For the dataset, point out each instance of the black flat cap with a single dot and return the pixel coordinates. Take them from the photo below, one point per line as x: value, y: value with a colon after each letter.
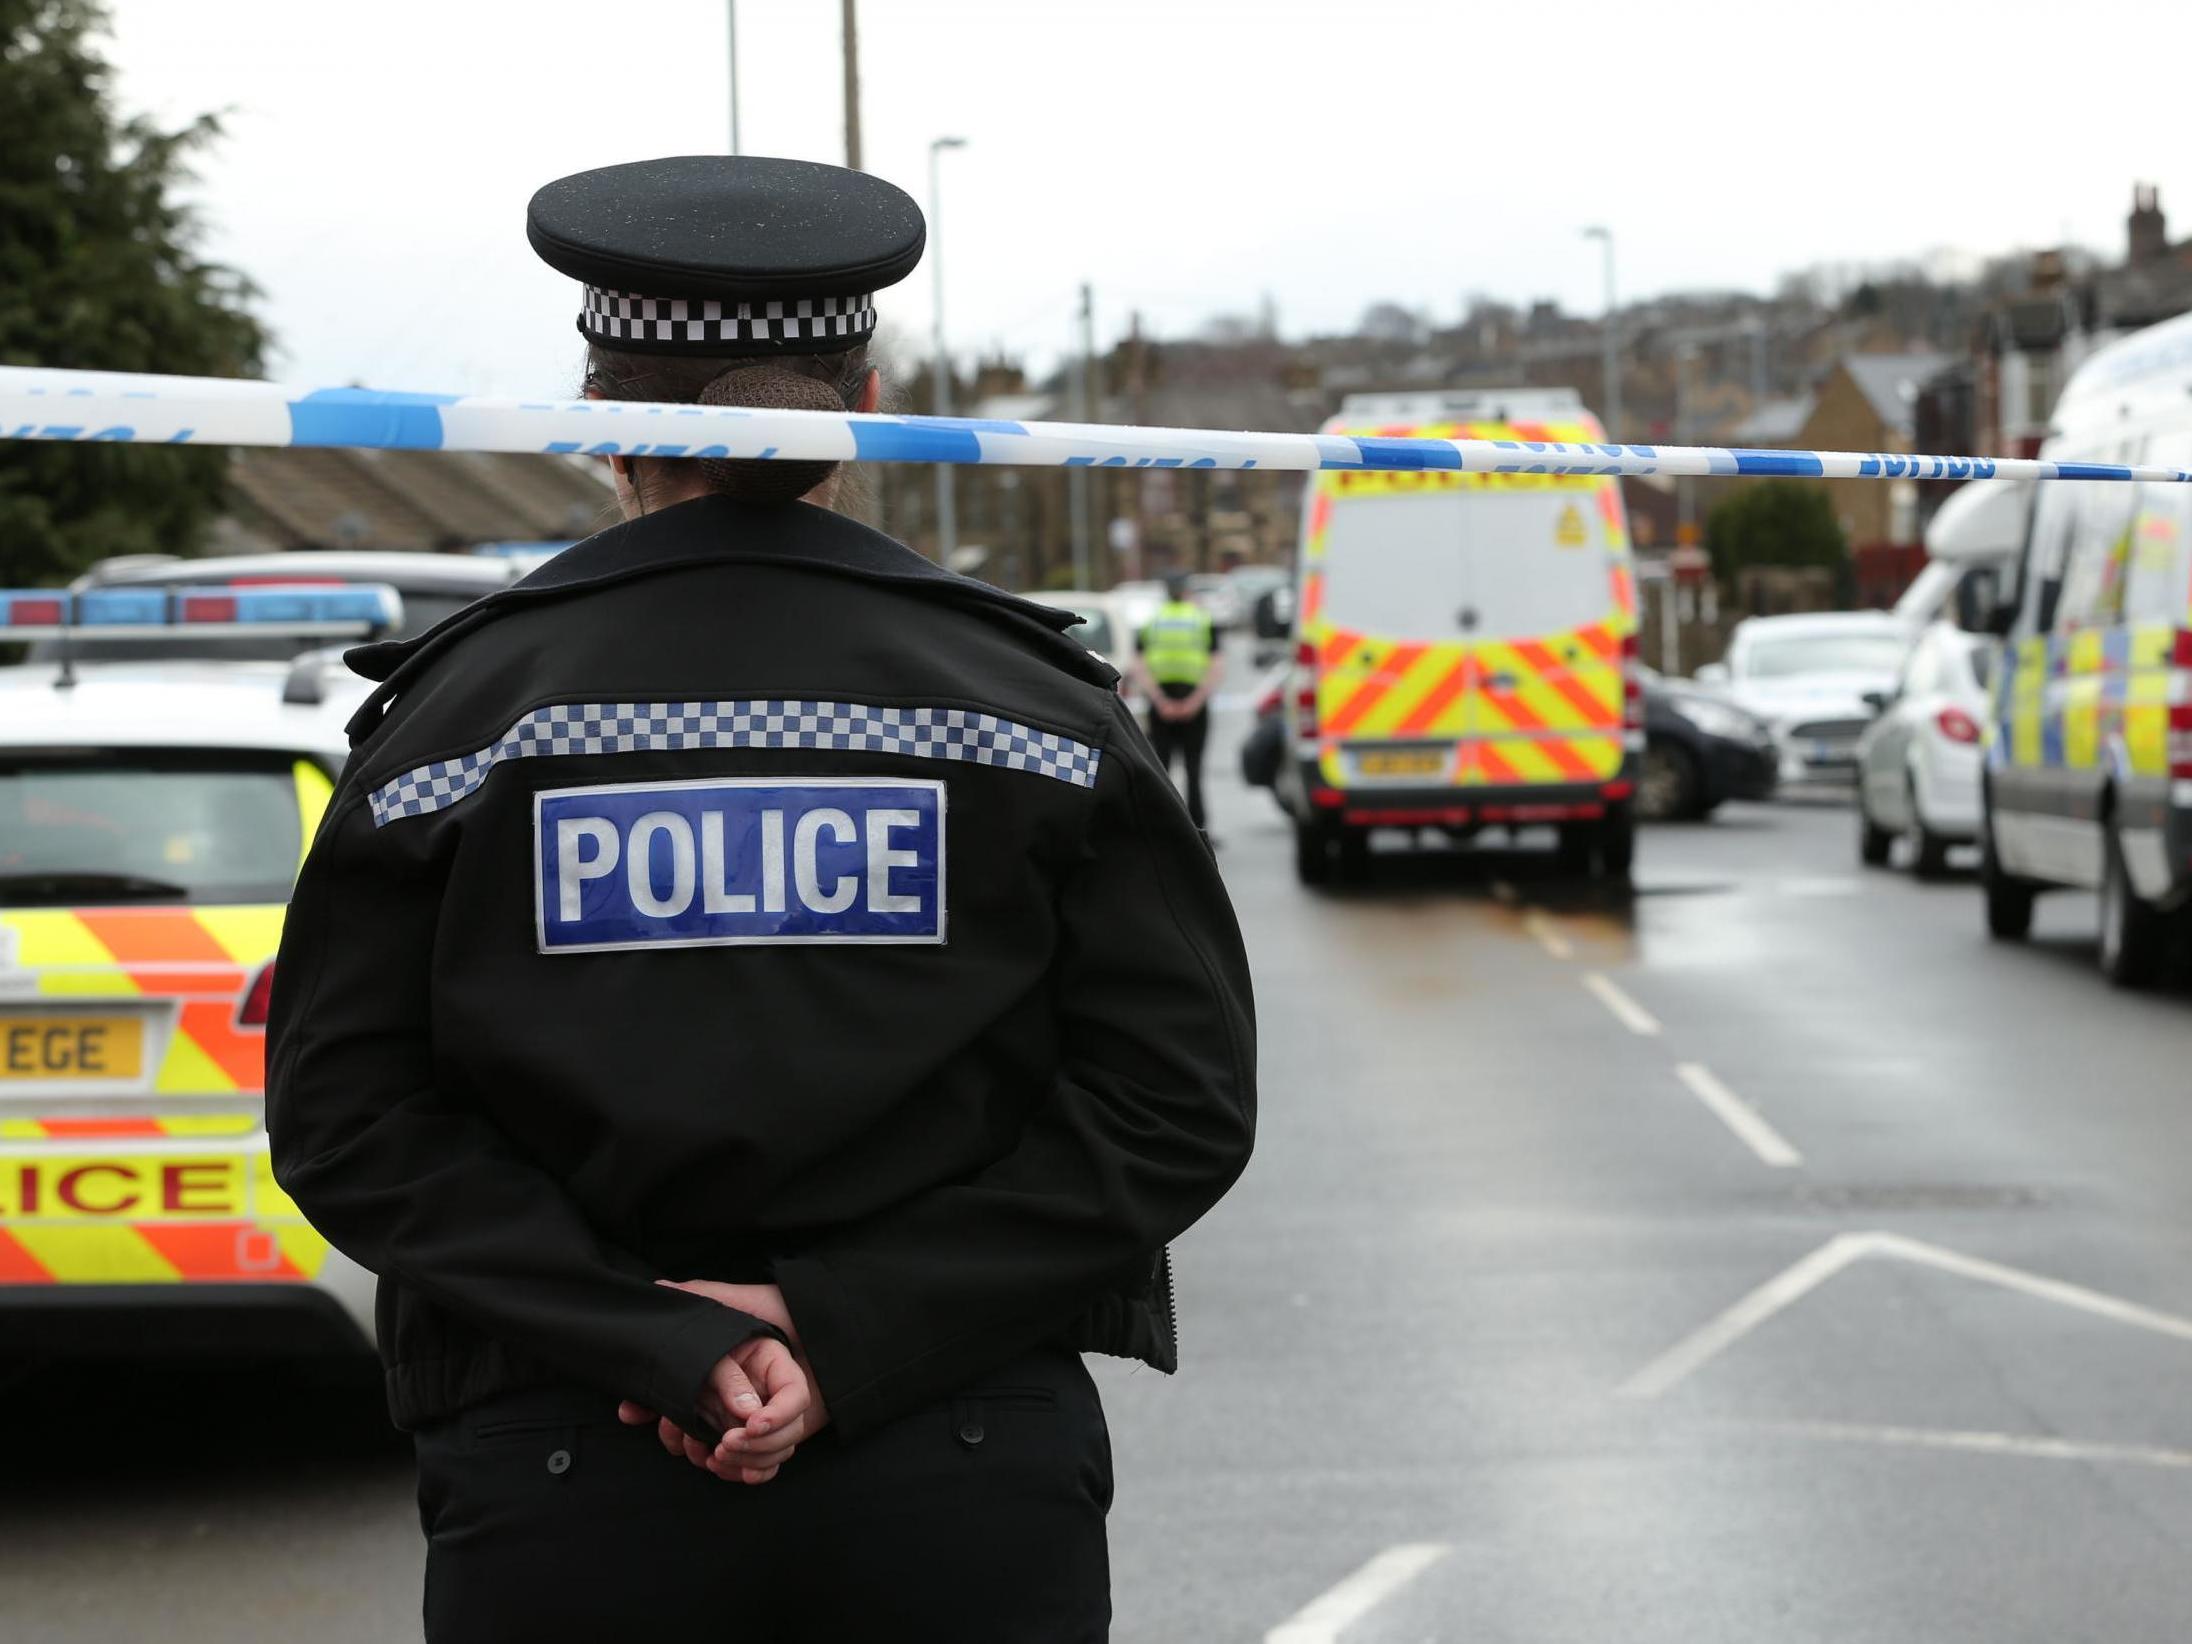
x: 727, y: 254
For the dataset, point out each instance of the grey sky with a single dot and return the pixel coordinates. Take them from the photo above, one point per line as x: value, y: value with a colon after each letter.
x: 1186, y: 157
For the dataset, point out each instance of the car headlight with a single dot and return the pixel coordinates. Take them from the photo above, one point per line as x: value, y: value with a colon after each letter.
x: 1718, y: 719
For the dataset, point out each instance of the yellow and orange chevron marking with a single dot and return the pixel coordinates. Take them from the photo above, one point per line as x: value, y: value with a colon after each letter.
x: 132, y: 1217
x: 203, y: 959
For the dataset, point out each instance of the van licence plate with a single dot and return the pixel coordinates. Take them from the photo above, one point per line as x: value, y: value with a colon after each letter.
x: 1411, y: 762
x: 47, y: 1048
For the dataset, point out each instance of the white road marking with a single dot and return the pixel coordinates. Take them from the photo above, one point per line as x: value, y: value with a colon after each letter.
x: 1548, y: 938
x: 1739, y: 1116
x: 1324, y: 1618
x: 1986, y: 1444
x: 1627, y: 1011
x: 2076, y: 1296
x: 1710, y: 1340
x: 1794, y: 1283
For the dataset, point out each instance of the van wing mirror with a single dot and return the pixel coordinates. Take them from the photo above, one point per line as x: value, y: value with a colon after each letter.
x: 1713, y: 673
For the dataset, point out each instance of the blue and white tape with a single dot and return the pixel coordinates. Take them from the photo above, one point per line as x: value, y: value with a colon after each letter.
x: 38, y: 404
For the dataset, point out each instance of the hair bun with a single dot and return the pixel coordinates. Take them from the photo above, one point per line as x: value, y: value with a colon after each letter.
x: 767, y: 387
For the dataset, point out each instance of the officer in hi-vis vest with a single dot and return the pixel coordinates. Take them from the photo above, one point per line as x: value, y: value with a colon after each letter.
x: 755, y: 997
x: 1177, y: 667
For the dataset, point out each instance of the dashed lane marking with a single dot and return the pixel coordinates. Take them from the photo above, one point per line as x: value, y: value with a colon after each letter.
x: 1626, y: 1010
x: 1548, y: 938
x: 2028, y: 1446
x: 1325, y: 1617
x: 1794, y: 1283
x: 1739, y: 1116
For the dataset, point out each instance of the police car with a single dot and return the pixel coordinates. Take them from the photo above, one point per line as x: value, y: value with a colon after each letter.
x: 152, y: 817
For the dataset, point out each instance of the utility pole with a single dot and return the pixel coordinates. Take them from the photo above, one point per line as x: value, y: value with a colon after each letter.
x: 852, y: 86
x: 947, y: 520
x: 1685, y: 356
x: 1077, y: 476
x: 730, y: 24
x: 1611, y: 327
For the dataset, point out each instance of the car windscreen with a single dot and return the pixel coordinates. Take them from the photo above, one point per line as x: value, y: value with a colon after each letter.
x: 420, y: 612
x: 1875, y: 652
x: 127, y: 825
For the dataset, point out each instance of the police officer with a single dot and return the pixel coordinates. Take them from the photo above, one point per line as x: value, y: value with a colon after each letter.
x: 1178, y: 667
x: 755, y: 997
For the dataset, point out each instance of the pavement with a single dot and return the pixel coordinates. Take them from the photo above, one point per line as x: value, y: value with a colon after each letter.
x: 1764, y: 1255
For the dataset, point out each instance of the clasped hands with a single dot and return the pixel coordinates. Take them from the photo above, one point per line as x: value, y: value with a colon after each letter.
x: 761, y: 1393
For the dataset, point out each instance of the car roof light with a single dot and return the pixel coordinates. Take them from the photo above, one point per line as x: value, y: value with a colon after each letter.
x: 312, y: 610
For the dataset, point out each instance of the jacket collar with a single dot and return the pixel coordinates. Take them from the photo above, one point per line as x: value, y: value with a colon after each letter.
x: 716, y: 530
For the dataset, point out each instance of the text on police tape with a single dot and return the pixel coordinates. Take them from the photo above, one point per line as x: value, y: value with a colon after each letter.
x: 736, y: 861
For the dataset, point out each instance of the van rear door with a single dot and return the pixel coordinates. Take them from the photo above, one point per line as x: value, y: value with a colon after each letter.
x: 1391, y: 600
x: 1545, y: 564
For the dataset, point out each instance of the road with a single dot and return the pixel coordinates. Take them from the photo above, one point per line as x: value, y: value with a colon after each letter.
x: 1765, y: 1256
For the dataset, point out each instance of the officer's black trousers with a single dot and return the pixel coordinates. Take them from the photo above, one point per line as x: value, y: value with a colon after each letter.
x: 978, y: 1519
x: 1185, y: 738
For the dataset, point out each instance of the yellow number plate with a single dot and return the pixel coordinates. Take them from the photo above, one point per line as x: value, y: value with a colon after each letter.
x: 1415, y: 762
x: 45, y: 1048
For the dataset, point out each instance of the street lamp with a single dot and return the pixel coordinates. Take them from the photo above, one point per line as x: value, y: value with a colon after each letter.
x: 1613, y: 341
x: 947, y: 524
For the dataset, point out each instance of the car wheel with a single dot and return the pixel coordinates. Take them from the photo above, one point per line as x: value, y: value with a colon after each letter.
x: 1873, y: 841
x: 1577, y: 841
x: 1932, y: 859
x: 1312, y: 854
x: 1668, y: 785
x: 1617, y: 842
x: 2008, y: 901
x: 2133, y: 934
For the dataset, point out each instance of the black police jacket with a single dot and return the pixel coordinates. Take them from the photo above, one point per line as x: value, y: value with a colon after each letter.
x: 740, y: 896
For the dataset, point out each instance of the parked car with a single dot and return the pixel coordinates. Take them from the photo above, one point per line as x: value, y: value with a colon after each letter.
x: 1263, y: 749
x: 1918, y: 763
x: 1219, y: 598
x: 1808, y: 677
x: 432, y: 586
x: 1699, y: 750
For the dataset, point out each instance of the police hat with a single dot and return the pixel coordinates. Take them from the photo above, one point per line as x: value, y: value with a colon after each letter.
x: 727, y: 254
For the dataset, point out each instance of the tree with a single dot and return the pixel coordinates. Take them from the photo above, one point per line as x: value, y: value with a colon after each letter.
x: 99, y: 269
x: 1775, y: 522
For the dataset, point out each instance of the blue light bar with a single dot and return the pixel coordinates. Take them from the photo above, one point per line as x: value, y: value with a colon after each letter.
x: 519, y: 550
x: 350, y: 610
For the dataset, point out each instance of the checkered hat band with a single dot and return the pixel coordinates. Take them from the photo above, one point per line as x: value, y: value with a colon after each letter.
x: 658, y: 727
x: 621, y: 316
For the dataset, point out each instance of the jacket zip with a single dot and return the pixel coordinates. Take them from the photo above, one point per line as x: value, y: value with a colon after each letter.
x: 1164, y: 1300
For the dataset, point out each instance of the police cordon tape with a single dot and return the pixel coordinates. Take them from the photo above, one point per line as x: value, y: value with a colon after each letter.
x: 135, y: 408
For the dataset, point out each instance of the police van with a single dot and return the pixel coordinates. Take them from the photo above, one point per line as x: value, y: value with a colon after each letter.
x: 1465, y: 643
x: 2088, y: 777
x: 152, y: 818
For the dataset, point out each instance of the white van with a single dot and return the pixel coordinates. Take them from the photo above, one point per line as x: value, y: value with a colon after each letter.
x: 1466, y: 642
x: 2089, y: 765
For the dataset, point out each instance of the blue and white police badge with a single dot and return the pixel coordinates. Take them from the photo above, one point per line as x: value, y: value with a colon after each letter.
x: 738, y: 860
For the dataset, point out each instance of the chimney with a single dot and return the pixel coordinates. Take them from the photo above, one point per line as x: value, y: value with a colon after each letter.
x: 2149, y: 229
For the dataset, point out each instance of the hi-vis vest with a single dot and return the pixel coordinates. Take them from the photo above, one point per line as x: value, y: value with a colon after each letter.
x: 1176, y: 644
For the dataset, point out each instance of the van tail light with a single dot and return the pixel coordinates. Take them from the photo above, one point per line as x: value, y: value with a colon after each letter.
x: 252, y: 1012
x: 1632, y: 685
x: 1305, y: 690
x: 1957, y: 725
x: 2180, y: 648
x: 2180, y: 741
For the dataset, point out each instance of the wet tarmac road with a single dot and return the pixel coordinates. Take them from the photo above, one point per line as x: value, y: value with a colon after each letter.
x: 1766, y: 1256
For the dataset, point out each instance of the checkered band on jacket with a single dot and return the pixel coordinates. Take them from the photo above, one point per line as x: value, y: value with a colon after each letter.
x: 655, y: 727
x: 621, y: 316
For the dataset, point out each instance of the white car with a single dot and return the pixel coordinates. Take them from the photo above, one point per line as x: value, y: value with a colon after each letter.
x: 1809, y: 678
x: 1105, y: 626
x: 1918, y: 763
x: 152, y: 817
